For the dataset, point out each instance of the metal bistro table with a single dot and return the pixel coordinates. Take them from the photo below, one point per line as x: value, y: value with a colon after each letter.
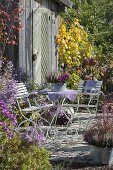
x: 57, y: 97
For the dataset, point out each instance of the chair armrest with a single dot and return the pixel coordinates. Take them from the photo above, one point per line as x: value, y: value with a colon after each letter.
x: 32, y: 94
x: 44, y: 91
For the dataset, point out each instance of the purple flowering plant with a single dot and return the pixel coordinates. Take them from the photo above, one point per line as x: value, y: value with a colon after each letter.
x: 8, y: 120
x: 34, y: 136
x: 7, y: 94
x: 58, y: 76
x: 62, y: 118
x: 7, y: 83
x: 21, y: 75
x: 101, y: 133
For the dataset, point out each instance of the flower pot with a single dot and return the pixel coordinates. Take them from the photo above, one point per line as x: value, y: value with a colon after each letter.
x: 102, y: 155
x: 58, y: 86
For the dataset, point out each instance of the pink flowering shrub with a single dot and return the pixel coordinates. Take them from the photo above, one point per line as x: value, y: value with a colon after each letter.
x: 101, y: 133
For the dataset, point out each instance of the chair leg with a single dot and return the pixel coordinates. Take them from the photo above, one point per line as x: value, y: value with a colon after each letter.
x: 88, y: 110
x: 67, y: 129
x: 23, y: 123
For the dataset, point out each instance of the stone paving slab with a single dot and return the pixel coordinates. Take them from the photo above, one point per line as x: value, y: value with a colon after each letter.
x: 68, y: 150
x: 70, y: 147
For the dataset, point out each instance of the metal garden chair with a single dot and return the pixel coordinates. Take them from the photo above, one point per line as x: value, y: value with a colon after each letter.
x: 31, y: 112
x: 91, y: 94
x: 87, y: 99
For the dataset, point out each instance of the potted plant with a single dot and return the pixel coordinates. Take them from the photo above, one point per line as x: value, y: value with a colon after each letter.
x: 58, y: 80
x: 100, y: 136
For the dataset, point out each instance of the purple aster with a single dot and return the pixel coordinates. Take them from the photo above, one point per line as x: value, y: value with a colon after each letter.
x: 59, y: 78
x: 6, y: 129
x: 5, y: 111
x: 34, y: 136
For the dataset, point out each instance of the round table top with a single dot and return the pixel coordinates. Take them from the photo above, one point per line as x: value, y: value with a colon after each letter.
x: 68, y: 93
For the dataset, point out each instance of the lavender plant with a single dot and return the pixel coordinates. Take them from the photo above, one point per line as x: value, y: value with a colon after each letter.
x: 61, y: 118
x: 5, y: 111
x: 101, y: 133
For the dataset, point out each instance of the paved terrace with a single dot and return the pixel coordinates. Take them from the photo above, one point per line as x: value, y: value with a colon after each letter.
x: 71, y: 147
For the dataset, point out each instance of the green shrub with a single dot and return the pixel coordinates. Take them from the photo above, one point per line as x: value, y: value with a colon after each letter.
x: 73, y: 81
x: 16, y: 154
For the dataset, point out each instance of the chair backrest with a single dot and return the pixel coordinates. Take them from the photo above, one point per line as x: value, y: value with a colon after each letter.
x: 80, y: 86
x: 21, y: 90
x: 22, y: 93
x: 97, y: 87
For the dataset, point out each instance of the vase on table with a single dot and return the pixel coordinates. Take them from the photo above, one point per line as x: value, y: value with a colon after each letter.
x: 58, y: 86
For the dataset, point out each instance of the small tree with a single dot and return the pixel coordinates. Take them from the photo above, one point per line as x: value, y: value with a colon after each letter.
x: 9, y: 23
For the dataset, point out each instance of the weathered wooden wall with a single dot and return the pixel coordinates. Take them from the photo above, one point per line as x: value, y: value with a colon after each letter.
x: 37, y: 48
x: 25, y: 37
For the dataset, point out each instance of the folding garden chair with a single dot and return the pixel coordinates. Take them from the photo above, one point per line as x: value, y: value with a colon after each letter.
x: 87, y: 99
x: 88, y: 95
x: 31, y: 112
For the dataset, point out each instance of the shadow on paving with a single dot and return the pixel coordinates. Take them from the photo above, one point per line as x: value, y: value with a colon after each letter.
x: 77, y: 157
x: 79, y: 166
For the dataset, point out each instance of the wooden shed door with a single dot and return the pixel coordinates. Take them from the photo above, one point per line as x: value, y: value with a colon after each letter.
x: 40, y: 45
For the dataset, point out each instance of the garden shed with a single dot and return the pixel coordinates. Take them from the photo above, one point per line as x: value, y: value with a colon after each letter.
x: 37, y: 47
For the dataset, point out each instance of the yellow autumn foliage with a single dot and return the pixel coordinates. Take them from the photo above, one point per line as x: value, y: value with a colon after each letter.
x: 73, y: 44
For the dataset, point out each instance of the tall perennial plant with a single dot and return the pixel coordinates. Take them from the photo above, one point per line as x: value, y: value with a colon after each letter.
x: 73, y: 46
x: 7, y: 94
x: 7, y: 83
x: 10, y: 24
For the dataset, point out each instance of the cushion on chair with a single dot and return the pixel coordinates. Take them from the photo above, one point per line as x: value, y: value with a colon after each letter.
x: 89, y: 86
